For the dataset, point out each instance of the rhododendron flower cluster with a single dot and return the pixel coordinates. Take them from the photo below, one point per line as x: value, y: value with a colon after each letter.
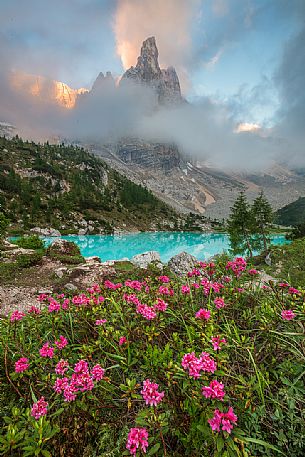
x: 61, y: 367
x: 203, y: 314
x: 100, y: 321
x: 21, y: 365
x: 110, y: 285
x: 238, y: 265
x: 147, y: 311
x: 47, y: 351
x: 215, y: 390
x: 16, y: 316
x: 219, y: 303
x: 185, y: 289
x: 164, y: 279
x: 81, y: 380
x: 253, y: 272
x: 122, y: 340
x: 161, y: 305
x: 217, y: 342
x: 34, y: 310
x: 62, y: 342
x: 223, y: 421
x: 150, y: 393
x: 288, y: 314
x: 40, y: 408
x: 137, y: 438
x: 163, y: 290
x: 195, y: 365
x: 135, y: 285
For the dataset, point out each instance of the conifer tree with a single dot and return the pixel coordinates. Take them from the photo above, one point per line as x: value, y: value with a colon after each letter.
x: 262, y: 217
x: 240, y: 226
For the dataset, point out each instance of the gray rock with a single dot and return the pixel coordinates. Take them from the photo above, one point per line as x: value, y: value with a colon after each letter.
x: 82, y: 231
x: 59, y: 272
x: 46, y: 231
x: 63, y: 247
x: 93, y: 259
x: 45, y: 291
x: 70, y: 286
x: 182, y: 263
x: 143, y: 260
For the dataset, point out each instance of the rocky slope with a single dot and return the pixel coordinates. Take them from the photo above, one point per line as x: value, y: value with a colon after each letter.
x: 67, y: 188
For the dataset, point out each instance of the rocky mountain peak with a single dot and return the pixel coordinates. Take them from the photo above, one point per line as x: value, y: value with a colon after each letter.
x: 103, y: 80
x: 147, y: 71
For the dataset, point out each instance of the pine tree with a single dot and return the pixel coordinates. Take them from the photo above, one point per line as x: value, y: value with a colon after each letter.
x: 262, y: 214
x: 240, y: 226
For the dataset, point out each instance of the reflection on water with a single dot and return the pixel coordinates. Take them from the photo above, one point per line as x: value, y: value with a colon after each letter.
x: 168, y: 244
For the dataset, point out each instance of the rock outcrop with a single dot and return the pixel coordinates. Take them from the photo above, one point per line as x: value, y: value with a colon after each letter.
x: 143, y: 260
x: 182, y: 263
x: 147, y: 71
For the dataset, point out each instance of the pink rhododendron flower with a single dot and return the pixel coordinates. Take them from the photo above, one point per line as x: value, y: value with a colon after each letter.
x: 150, y: 393
x: 110, y: 285
x: 238, y: 265
x: 164, y: 279
x: 122, y: 340
x: 203, y: 314
x: 21, y: 365
x: 47, y: 351
x: 217, y: 342
x: 163, y: 290
x: 195, y: 365
x: 97, y: 372
x: 54, y: 306
x: 81, y: 367
x: 61, y: 367
x: 65, y: 303
x: 293, y: 291
x: 34, y: 310
x: 147, y: 311
x: 137, y: 438
x: 40, y: 408
x: 185, y: 289
x: 16, y: 316
x: 223, y: 421
x: 214, y: 390
x: 100, y: 321
x: 253, y: 272
x: 42, y: 297
x: 219, y: 302
x: 288, y: 314
x: 135, y: 285
x: 283, y: 285
x: 161, y: 305
x: 62, y: 342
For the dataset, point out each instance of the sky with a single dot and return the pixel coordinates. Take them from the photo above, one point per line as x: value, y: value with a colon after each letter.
x: 244, y: 59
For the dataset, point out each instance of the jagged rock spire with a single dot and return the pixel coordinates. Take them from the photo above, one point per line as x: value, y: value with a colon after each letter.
x: 147, y: 71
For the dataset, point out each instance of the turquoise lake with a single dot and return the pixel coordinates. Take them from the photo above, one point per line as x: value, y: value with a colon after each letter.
x: 168, y: 244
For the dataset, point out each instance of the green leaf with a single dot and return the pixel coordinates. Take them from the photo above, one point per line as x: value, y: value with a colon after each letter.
x: 262, y: 443
x: 46, y: 453
x: 154, y: 449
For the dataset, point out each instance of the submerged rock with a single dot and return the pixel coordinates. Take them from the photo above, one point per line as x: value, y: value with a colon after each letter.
x: 143, y: 260
x: 182, y: 263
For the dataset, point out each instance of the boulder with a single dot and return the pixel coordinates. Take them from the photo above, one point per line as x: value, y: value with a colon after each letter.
x: 46, y: 231
x: 59, y: 272
x: 182, y: 263
x: 70, y: 286
x: 143, y: 260
x: 82, y: 231
x: 64, y: 247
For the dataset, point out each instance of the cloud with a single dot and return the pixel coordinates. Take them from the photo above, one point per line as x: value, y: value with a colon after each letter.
x: 169, y: 21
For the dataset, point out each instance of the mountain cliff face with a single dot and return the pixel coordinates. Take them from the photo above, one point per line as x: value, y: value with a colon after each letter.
x: 147, y: 71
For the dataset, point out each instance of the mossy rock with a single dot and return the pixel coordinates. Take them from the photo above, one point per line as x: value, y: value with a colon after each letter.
x: 65, y: 252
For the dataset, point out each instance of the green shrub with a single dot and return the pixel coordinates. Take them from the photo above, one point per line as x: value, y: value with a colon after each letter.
x: 30, y: 242
x: 70, y: 259
x: 29, y: 260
